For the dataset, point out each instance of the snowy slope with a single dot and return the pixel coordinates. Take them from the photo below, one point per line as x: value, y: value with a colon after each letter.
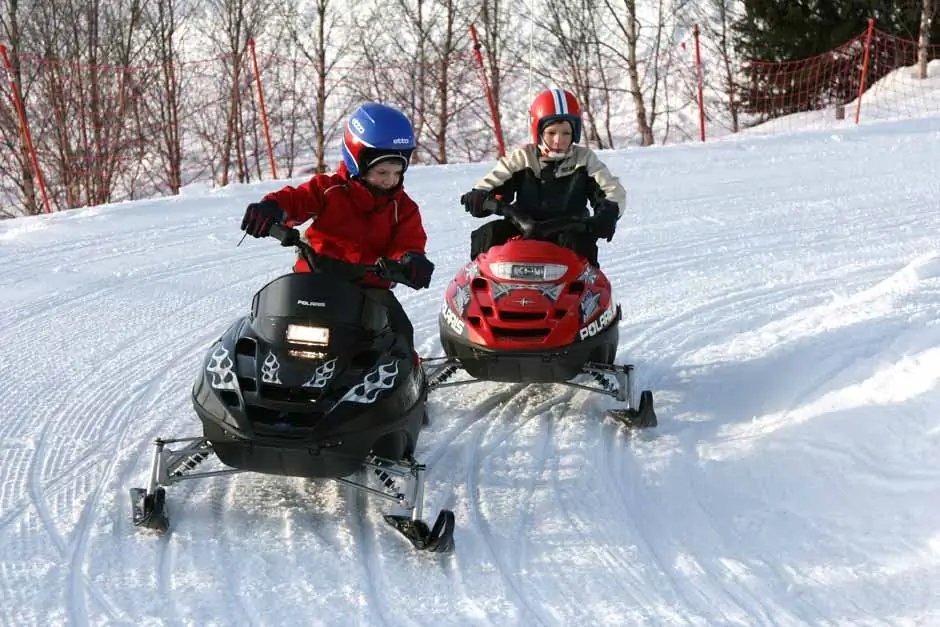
x: 781, y: 298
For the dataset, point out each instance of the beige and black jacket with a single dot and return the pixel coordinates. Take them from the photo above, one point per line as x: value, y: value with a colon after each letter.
x: 552, y: 188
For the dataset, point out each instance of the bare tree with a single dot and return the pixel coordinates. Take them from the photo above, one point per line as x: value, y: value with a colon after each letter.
x: 715, y: 18
x: 571, y: 48
x: 607, y: 88
x: 16, y: 165
x: 239, y: 21
x: 420, y: 25
x: 496, y: 23
x: 493, y: 22
x: 663, y: 69
x: 418, y: 64
x: 650, y: 56
x: 165, y: 107
x: 82, y: 95
x: 121, y: 23
x: 119, y: 112
x: 450, y: 70
x: 629, y: 26
x: 312, y: 34
x: 394, y: 59
x: 926, y: 20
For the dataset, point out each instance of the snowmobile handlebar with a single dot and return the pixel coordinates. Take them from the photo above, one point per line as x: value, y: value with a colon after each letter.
x: 532, y: 228
x: 389, y: 270
x: 288, y: 236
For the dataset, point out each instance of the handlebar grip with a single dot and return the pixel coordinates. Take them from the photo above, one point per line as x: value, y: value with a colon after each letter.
x: 284, y: 234
x: 494, y: 206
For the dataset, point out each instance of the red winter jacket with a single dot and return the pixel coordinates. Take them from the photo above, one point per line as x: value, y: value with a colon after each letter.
x: 352, y: 224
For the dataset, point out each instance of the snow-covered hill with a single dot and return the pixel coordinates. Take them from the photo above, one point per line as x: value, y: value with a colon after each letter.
x: 781, y: 297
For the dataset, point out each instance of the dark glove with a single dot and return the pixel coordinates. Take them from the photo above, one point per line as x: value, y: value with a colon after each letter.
x: 606, y: 214
x: 473, y: 201
x: 411, y: 269
x: 259, y: 216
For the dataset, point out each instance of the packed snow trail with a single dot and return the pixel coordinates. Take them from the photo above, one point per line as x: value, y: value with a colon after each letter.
x: 781, y: 298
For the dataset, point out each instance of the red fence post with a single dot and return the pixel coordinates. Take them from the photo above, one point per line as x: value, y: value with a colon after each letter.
x: 861, y: 80
x: 264, y: 113
x: 701, y: 96
x: 24, y: 128
x: 489, y: 94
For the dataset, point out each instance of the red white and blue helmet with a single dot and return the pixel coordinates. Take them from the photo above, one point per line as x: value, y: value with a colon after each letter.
x: 374, y: 133
x: 555, y: 105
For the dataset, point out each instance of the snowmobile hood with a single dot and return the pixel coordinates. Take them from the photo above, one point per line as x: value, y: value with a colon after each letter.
x: 527, y: 295
x: 316, y: 313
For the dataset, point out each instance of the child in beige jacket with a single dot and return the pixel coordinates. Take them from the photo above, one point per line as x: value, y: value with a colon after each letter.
x: 551, y: 177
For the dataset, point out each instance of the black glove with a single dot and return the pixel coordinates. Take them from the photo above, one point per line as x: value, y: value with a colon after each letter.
x: 411, y: 269
x: 606, y: 214
x: 473, y: 201
x: 259, y: 216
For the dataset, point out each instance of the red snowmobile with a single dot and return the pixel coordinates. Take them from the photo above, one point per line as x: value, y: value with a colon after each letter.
x: 531, y: 311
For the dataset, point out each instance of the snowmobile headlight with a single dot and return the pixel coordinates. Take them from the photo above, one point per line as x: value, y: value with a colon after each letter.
x: 303, y: 334
x: 513, y: 271
x: 314, y: 355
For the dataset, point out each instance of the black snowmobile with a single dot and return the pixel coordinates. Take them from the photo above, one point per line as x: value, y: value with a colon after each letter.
x: 313, y: 383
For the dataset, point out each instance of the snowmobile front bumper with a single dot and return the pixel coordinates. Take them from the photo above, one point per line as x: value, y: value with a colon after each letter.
x: 542, y: 365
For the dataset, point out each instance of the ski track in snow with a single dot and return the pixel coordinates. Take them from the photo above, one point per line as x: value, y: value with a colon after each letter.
x: 122, y: 385
x: 788, y: 331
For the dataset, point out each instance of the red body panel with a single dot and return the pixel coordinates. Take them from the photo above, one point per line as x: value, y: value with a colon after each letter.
x: 517, y: 314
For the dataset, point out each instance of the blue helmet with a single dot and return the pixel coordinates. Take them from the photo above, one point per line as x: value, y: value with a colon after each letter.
x: 376, y: 132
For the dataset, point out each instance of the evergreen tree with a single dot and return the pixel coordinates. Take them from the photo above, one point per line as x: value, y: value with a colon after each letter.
x: 790, y: 30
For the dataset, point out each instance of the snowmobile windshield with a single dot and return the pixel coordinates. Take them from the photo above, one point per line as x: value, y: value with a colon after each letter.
x: 317, y: 310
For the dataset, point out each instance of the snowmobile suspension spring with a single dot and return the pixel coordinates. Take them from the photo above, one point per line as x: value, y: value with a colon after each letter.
x: 193, y: 461
x: 604, y: 381
x: 443, y: 376
x: 387, y: 480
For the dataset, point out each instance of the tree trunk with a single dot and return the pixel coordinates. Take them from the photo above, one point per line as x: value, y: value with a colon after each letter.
x: 321, y: 87
x: 492, y: 25
x: 727, y: 64
x: 636, y: 89
x: 27, y: 182
x: 230, y: 124
x: 926, y: 18
x: 444, y: 58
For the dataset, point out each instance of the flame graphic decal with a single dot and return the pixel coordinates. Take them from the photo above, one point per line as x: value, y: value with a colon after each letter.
x: 322, y: 375
x: 221, y: 366
x: 269, y: 370
x: 382, y: 378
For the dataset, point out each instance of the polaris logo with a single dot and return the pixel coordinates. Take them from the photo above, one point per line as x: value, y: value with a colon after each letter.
x: 598, y: 325
x: 452, y: 319
x: 311, y: 303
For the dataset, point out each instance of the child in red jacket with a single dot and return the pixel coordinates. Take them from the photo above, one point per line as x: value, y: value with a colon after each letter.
x: 361, y: 214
